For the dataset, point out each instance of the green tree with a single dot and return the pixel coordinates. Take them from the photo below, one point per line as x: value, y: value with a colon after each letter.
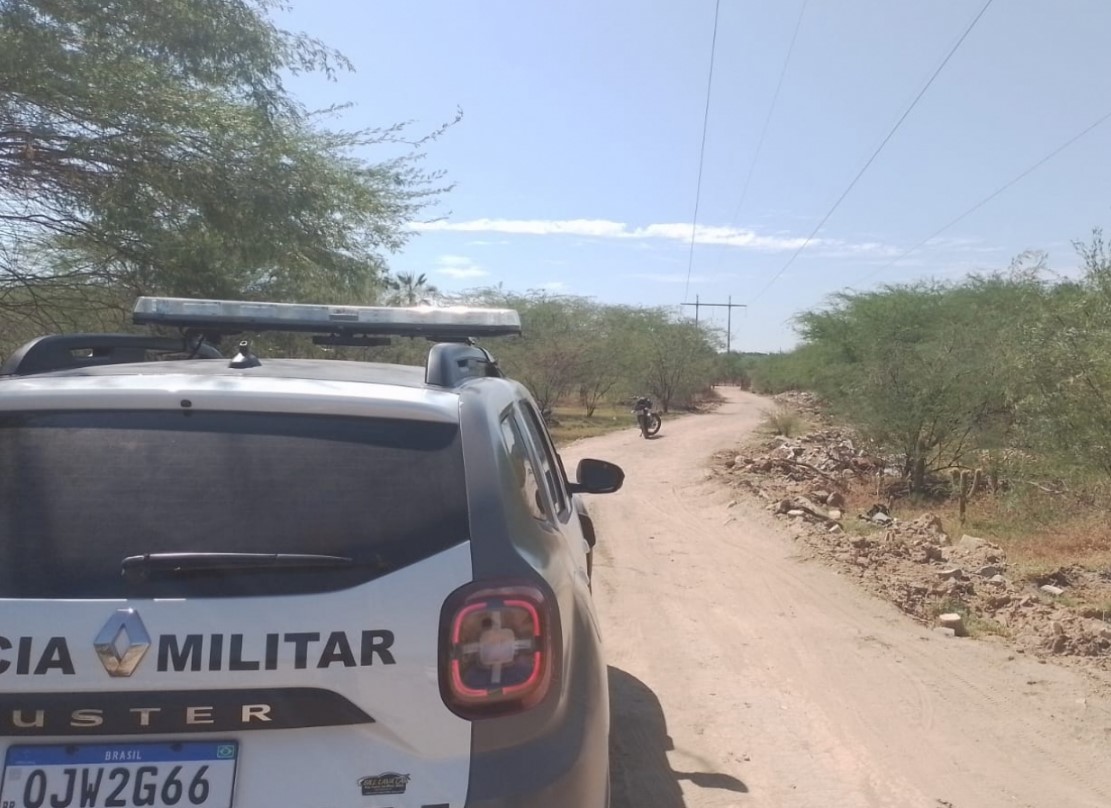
x: 152, y: 147
x: 674, y: 359
x: 606, y: 357
x: 548, y: 357
x: 921, y: 369
x: 1066, y: 357
x: 411, y: 289
x: 575, y: 349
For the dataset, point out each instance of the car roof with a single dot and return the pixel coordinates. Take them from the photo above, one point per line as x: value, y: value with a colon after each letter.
x: 448, y: 364
x: 337, y: 386
x: 332, y: 370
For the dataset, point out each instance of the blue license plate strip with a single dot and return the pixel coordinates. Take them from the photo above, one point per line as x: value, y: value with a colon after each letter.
x: 63, y: 774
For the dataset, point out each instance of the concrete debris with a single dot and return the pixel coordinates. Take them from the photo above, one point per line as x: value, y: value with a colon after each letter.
x: 815, y: 479
x: 954, y: 622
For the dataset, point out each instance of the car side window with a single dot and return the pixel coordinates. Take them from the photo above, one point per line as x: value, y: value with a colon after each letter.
x: 523, y: 468
x: 550, y: 467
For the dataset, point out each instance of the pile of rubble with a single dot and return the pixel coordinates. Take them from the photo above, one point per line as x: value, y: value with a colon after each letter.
x: 961, y: 585
x: 804, y: 403
x: 829, y: 456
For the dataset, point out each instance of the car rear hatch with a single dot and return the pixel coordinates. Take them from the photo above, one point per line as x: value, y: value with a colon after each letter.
x: 218, y: 608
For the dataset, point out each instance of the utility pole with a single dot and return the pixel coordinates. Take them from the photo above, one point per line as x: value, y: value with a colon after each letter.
x: 729, y: 306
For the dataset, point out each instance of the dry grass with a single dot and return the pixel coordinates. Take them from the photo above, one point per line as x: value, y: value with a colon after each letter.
x: 574, y: 425
x: 706, y: 401
x: 783, y: 421
x: 1040, y: 532
x: 975, y: 624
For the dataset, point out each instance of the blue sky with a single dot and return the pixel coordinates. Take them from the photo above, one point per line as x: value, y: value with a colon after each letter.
x: 576, y: 161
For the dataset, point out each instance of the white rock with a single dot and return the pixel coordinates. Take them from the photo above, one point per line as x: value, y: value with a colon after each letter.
x: 953, y: 621
x: 971, y: 543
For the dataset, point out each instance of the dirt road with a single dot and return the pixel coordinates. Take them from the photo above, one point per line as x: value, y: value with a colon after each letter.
x: 742, y: 676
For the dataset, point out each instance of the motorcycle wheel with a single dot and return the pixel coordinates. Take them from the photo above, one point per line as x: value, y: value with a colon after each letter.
x: 654, y: 424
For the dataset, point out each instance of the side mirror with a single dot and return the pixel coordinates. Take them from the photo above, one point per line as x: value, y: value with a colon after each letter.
x: 597, y: 477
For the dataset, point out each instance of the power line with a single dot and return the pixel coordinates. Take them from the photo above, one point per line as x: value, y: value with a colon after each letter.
x: 876, y: 153
x: 702, y: 149
x: 729, y: 306
x: 1002, y: 189
x: 771, y: 111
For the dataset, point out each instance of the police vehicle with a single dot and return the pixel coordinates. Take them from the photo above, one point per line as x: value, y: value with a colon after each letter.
x: 250, y: 582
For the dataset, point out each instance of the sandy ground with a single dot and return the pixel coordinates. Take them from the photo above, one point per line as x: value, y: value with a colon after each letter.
x: 743, y: 676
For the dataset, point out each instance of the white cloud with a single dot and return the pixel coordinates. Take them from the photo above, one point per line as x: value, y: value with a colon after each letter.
x: 722, y: 236
x: 455, y: 261
x: 459, y: 267
x: 459, y: 273
x: 645, y: 237
x: 868, y: 249
x: 554, y: 286
x: 603, y: 228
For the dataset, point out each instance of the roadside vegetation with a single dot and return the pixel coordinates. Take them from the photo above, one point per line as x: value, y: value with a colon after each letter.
x: 584, y: 361
x: 576, y: 352
x: 988, y: 401
x: 569, y: 424
x: 783, y: 421
x: 152, y: 148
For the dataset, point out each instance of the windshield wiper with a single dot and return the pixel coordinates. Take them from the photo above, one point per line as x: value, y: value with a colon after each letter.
x: 141, y: 567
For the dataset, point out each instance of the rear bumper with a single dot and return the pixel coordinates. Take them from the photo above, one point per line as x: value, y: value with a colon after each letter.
x: 573, y: 790
x: 584, y: 784
x: 566, y: 763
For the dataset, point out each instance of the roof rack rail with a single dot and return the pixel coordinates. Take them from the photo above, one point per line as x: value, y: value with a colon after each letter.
x: 75, y: 351
x: 220, y: 317
x: 450, y: 364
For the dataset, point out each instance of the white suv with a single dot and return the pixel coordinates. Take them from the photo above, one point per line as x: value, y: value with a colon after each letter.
x: 260, y: 582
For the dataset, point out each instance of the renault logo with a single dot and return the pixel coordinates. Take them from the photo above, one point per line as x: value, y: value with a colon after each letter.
x: 122, y: 643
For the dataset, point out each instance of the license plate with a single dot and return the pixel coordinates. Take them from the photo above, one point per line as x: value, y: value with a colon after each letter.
x: 120, y: 775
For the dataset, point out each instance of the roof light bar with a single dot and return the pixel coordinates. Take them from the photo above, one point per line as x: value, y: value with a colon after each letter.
x: 234, y: 316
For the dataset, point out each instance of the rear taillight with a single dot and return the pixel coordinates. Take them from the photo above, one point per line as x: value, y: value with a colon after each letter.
x: 496, y: 650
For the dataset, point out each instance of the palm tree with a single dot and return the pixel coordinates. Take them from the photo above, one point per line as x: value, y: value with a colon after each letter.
x: 411, y: 289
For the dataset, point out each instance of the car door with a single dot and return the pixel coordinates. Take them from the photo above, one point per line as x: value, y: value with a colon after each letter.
x: 554, y: 482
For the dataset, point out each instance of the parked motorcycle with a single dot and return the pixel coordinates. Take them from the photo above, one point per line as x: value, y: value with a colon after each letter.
x: 648, y: 419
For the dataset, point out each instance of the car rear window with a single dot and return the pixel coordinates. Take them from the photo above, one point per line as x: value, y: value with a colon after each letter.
x: 81, y: 491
